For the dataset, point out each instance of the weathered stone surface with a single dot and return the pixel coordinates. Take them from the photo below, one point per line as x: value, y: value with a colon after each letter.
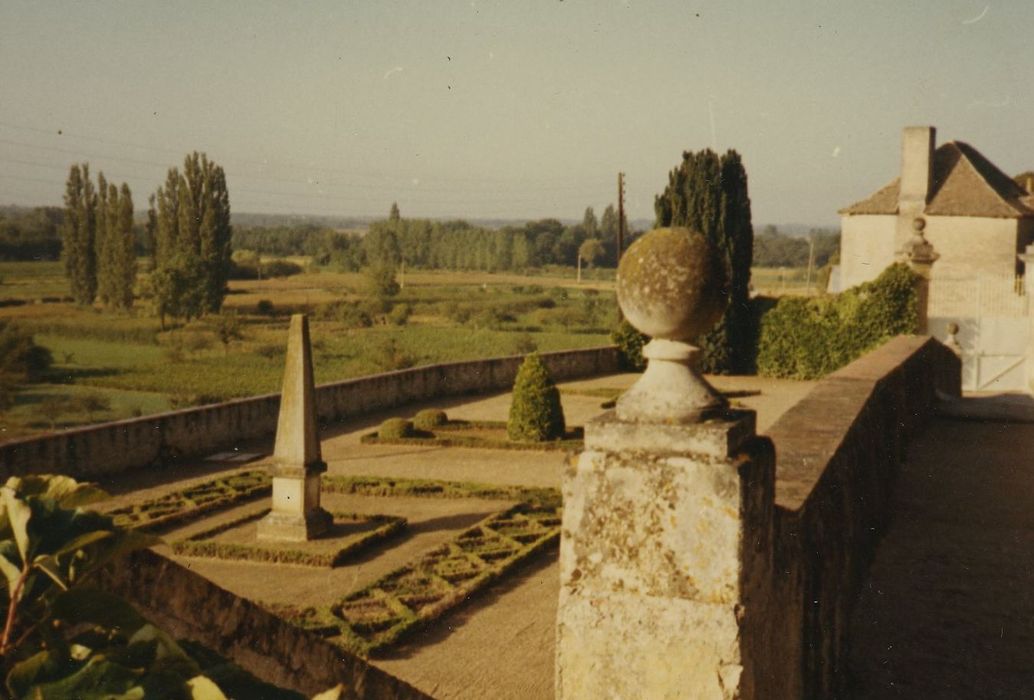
x: 672, y: 287
x: 189, y: 606
x: 670, y: 284
x: 664, y: 560
x: 160, y: 440
x: 297, y: 458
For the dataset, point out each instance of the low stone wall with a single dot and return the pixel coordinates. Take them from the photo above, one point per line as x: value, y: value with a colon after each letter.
x: 838, y: 453
x: 189, y: 606
x: 110, y: 448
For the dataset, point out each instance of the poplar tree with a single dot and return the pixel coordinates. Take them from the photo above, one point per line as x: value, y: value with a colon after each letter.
x: 124, y: 253
x: 589, y: 223
x: 100, y: 239
x: 190, y: 216
x: 709, y: 194
x: 77, y: 234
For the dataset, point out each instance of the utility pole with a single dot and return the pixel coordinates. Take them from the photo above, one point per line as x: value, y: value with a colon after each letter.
x: 621, y: 215
x: 811, y: 259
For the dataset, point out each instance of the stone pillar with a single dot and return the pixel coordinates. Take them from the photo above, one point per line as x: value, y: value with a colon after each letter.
x: 297, y: 460
x: 666, y: 545
x: 1027, y: 258
x: 919, y: 254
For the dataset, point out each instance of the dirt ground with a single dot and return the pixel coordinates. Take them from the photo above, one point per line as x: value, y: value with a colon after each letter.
x: 432, y: 521
x: 501, y: 645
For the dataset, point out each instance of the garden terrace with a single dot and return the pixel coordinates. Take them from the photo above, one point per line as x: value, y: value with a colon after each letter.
x: 474, y: 569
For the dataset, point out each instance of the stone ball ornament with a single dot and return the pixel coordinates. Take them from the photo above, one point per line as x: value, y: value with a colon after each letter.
x: 673, y: 286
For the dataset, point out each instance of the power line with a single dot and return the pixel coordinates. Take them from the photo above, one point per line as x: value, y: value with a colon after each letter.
x: 262, y: 164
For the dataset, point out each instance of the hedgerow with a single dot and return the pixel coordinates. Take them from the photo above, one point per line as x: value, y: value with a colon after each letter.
x: 807, y: 338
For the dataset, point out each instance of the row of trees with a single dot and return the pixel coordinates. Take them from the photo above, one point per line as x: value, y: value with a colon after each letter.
x: 188, y: 231
x: 775, y: 249
x: 457, y: 245
x: 30, y: 234
x: 98, y: 241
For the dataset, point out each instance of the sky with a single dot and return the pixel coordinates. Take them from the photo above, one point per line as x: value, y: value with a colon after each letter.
x: 509, y: 109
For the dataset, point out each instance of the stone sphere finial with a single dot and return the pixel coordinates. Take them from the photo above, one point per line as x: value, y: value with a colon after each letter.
x: 673, y: 287
x: 671, y: 284
x: 918, y: 223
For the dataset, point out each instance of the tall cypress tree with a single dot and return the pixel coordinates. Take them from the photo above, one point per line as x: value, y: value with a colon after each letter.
x: 709, y: 194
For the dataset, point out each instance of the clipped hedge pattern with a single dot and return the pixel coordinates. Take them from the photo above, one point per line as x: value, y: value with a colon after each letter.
x: 571, y: 439
x: 202, y: 544
x: 193, y: 502
x: 807, y: 338
x: 378, y: 616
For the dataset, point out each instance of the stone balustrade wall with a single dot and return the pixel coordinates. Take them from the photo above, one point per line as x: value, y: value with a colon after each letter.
x: 110, y: 448
x: 838, y: 452
x: 189, y: 606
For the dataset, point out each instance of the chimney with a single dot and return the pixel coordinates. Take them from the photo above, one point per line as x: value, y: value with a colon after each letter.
x: 917, y: 146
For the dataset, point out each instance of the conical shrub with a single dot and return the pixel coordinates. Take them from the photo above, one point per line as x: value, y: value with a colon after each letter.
x: 535, y: 414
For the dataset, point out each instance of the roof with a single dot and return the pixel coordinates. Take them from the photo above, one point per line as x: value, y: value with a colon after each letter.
x: 965, y: 183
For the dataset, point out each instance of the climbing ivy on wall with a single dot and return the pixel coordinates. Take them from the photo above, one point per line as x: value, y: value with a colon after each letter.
x: 807, y: 338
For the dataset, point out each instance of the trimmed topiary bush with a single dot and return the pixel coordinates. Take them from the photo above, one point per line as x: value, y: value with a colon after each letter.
x: 395, y: 428
x: 429, y: 419
x: 807, y: 338
x: 535, y: 413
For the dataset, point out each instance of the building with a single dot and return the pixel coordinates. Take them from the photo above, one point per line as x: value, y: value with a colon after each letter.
x: 979, y: 221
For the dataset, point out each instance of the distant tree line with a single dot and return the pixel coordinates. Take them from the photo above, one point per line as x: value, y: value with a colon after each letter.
x: 775, y: 249
x: 452, y: 245
x: 30, y: 234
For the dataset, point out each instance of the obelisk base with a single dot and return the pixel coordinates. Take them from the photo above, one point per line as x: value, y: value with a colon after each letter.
x: 296, y: 515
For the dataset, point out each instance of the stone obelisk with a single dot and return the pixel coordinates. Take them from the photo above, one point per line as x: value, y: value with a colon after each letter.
x: 297, y: 459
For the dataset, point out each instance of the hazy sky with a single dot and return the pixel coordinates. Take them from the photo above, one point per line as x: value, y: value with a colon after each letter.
x: 517, y: 108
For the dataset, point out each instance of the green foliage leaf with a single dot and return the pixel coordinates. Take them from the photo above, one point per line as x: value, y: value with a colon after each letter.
x: 24, y: 674
x: 334, y: 693
x: 807, y: 338
x: 18, y: 515
x: 89, y: 605
x: 9, y: 564
x: 202, y: 688
x: 97, y: 679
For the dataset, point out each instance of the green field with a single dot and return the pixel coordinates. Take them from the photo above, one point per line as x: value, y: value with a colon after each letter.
x: 109, y: 366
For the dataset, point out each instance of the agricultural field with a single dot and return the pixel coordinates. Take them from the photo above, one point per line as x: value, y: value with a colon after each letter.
x: 108, y: 366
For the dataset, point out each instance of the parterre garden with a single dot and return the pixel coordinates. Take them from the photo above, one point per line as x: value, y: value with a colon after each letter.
x: 371, y: 620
